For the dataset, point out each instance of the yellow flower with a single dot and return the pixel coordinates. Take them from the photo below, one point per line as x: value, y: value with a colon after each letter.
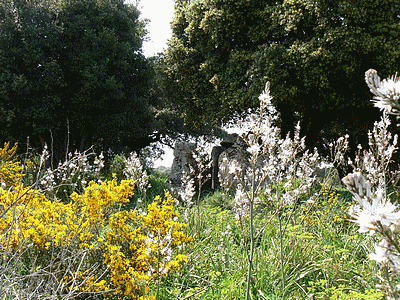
x: 131, y: 250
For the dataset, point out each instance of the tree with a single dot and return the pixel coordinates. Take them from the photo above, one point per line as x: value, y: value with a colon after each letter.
x: 72, y: 73
x: 29, y: 74
x: 208, y: 56
x: 314, y: 53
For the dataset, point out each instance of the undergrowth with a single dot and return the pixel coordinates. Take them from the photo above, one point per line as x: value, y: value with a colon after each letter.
x: 325, y: 256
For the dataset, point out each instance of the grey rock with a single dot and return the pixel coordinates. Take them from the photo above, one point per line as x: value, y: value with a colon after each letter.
x: 183, y: 161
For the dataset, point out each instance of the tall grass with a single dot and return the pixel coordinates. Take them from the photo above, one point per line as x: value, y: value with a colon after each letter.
x: 323, y: 258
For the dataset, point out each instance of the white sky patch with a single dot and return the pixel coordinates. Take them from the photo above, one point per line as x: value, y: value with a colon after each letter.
x: 160, y: 13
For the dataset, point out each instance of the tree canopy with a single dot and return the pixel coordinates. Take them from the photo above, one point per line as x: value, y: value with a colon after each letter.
x: 314, y: 53
x: 73, y: 72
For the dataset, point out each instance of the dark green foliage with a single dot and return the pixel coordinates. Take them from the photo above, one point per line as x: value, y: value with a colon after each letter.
x: 314, y: 53
x: 72, y: 72
x: 219, y: 200
x: 159, y: 184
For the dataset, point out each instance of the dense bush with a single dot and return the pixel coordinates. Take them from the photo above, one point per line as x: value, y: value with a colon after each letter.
x: 89, y: 246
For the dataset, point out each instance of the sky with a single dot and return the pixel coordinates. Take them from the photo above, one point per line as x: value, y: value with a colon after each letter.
x: 160, y: 13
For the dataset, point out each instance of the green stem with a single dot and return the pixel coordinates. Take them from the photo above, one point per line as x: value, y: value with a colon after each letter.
x: 282, y: 261
x: 389, y: 236
x: 158, y: 289
x: 198, y: 211
x: 251, y: 254
x: 392, y: 290
x: 158, y: 276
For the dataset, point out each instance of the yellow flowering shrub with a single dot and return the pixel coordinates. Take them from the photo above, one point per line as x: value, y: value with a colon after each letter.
x: 30, y: 216
x: 138, y: 248
x: 10, y: 168
x: 129, y: 249
x: 99, y: 200
x: 141, y: 246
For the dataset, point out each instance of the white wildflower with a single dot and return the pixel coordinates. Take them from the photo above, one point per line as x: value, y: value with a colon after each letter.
x: 265, y: 96
x: 254, y: 150
x: 372, y: 210
x: 381, y: 252
x: 134, y: 170
x: 241, y: 204
x: 188, y: 190
x: 233, y: 167
x: 288, y: 199
x: 387, y: 91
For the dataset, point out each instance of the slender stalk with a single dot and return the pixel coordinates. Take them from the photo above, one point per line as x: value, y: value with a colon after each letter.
x: 392, y: 289
x: 66, y: 149
x: 251, y: 254
x: 198, y: 210
x: 282, y: 261
x: 158, y: 279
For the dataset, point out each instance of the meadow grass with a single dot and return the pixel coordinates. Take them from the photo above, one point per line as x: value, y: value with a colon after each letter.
x: 324, y: 255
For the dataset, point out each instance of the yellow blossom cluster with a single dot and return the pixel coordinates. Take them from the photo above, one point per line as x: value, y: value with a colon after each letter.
x: 10, y: 168
x: 142, y: 246
x: 30, y: 217
x: 129, y: 249
x: 317, y: 211
x: 99, y: 200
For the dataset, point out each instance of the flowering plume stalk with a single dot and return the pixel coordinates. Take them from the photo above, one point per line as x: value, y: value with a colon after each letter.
x: 72, y: 175
x: 376, y: 214
x: 373, y: 212
x: 283, y: 168
x: 203, y: 163
x: 387, y: 92
x: 375, y: 161
x: 134, y: 171
x: 188, y: 190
